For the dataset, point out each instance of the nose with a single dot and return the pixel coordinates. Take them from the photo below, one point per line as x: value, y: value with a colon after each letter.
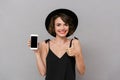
x: 63, y: 27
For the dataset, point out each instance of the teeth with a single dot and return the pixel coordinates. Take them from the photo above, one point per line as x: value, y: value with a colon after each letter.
x: 62, y: 32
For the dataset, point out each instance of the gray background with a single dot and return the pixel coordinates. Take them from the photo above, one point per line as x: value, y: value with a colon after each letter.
x: 98, y: 32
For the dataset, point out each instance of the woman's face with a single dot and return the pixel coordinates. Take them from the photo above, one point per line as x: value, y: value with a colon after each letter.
x: 61, y: 29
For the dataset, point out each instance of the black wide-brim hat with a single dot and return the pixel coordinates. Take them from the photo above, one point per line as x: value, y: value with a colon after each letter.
x: 65, y: 11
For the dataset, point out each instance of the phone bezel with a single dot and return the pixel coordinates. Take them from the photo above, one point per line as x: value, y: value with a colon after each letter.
x: 36, y: 35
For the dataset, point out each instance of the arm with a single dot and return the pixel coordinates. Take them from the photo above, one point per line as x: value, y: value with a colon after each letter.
x: 78, y: 57
x: 40, y: 58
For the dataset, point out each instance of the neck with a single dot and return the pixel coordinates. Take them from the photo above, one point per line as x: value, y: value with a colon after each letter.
x: 60, y: 40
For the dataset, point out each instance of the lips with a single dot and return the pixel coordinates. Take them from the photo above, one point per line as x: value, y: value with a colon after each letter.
x: 62, y: 32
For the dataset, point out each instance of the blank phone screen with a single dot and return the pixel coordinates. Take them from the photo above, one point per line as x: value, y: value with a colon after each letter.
x: 33, y: 41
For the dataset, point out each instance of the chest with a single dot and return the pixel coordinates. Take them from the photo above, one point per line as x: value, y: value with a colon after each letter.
x: 59, y: 50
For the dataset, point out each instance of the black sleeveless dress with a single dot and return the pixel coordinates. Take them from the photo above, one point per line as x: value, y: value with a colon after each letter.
x: 59, y: 68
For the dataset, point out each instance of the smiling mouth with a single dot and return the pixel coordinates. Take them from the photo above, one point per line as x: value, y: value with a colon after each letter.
x: 62, y: 32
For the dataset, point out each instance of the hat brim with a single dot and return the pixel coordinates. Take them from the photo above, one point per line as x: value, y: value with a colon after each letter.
x: 65, y: 11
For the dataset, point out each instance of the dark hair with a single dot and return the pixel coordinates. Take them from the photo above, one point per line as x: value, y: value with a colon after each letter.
x: 67, y: 19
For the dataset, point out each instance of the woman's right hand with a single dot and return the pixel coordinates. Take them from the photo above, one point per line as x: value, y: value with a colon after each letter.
x: 29, y: 45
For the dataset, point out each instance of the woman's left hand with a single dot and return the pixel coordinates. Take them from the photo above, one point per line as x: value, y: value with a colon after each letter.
x: 72, y: 51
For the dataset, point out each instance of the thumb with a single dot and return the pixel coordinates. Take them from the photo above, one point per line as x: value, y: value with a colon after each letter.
x: 72, y: 45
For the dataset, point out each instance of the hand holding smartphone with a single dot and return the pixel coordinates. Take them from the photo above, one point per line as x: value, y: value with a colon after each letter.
x: 34, y: 41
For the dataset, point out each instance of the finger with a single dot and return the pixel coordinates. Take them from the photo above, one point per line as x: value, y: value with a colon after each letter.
x: 69, y: 51
x: 29, y: 43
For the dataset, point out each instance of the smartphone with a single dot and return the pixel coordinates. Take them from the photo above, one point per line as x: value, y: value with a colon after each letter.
x: 34, y: 41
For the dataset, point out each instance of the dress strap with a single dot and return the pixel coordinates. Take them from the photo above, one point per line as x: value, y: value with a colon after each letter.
x: 70, y: 43
x: 47, y: 41
x: 75, y: 38
x: 72, y: 40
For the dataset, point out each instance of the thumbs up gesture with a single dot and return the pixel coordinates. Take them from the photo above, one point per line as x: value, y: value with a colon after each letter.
x: 75, y: 49
x: 70, y: 51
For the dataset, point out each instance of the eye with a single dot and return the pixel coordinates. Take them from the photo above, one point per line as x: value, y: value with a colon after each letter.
x: 58, y: 24
x: 66, y: 25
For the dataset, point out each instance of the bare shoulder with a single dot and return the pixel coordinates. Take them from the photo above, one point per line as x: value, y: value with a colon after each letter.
x: 76, y: 42
x: 43, y: 45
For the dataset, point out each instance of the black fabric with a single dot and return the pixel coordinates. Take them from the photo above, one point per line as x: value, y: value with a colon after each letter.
x: 59, y: 68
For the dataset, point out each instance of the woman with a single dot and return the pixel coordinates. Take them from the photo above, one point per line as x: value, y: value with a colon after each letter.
x: 56, y: 58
